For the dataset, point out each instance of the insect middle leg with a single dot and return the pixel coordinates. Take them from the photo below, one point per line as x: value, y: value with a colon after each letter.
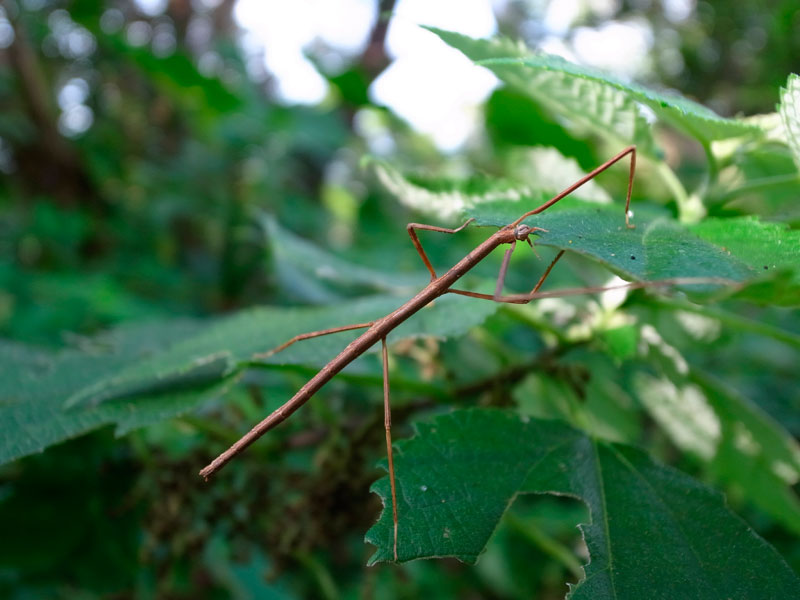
x: 588, y: 177
x: 517, y: 299
x: 310, y: 335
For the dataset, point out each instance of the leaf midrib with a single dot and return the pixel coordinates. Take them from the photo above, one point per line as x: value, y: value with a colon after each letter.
x: 699, y: 563
x: 606, y: 528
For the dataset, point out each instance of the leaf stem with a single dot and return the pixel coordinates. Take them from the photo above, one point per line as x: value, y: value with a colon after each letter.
x: 732, y: 320
x: 211, y: 427
x: 758, y: 185
x: 525, y: 315
x: 713, y: 164
x: 326, y: 584
x: 690, y: 208
x: 713, y: 168
x: 550, y: 546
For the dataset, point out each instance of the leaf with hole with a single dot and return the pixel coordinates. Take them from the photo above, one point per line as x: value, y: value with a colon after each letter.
x: 654, y: 532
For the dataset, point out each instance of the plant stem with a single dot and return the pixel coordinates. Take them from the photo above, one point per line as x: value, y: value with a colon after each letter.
x: 327, y: 586
x: 211, y: 427
x: 690, y: 209
x: 732, y: 320
x: 713, y: 167
x: 553, y: 548
x: 758, y: 185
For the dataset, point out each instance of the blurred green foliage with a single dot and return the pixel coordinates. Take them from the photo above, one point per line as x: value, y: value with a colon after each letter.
x: 137, y: 245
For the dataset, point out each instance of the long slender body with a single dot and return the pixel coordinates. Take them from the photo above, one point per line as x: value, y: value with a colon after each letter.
x: 376, y: 332
x: 379, y: 329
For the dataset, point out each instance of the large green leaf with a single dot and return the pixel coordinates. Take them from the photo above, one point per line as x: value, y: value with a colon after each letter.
x: 654, y: 531
x: 658, y: 247
x: 35, y: 384
x: 231, y: 344
x: 149, y: 373
x: 600, y: 101
x: 590, y: 104
x: 315, y: 274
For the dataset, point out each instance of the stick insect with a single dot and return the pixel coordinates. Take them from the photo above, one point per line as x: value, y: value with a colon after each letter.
x: 376, y: 331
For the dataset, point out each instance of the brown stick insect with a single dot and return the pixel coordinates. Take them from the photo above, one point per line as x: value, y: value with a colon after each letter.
x: 439, y: 285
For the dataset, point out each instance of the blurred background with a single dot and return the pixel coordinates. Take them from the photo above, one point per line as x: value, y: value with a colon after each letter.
x: 141, y: 144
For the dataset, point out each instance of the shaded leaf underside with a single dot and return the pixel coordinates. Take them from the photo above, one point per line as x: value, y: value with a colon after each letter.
x: 596, y: 99
x: 135, y: 376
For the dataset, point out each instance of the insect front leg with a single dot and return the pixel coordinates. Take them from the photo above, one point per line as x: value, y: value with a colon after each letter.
x: 412, y: 231
x: 630, y: 150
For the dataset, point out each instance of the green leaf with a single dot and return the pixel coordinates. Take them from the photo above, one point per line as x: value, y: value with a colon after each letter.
x: 766, y: 248
x: 447, y: 198
x: 142, y: 374
x: 759, y: 244
x: 592, y: 105
x: 656, y: 249
x: 789, y: 110
x: 301, y: 264
x: 654, y: 531
x: 600, y: 101
x: 755, y: 453
x: 228, y: 345
x: 35, y: 384
x: 693, y: 118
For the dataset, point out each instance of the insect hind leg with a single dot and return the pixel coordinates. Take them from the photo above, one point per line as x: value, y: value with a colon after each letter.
x: 310, y: 335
